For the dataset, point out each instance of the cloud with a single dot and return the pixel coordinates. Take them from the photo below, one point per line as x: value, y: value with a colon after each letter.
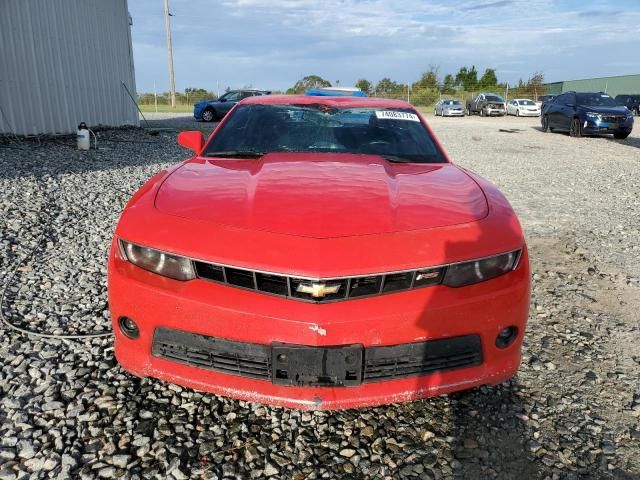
x: 273, y: 43
x: 479, y: 6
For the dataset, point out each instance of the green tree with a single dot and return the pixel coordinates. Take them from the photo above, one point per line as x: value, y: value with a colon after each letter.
x: 488, y: 79
x: 428, y: 79
x: 389, y: 88
x: 310, y: 81
x: 467, y: 78
x: 448, y: 84
x: 364, y: 85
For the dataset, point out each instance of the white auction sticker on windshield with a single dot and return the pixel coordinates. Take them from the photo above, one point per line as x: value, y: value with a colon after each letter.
x: 391, y: 115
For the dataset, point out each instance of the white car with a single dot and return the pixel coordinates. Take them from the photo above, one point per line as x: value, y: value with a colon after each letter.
x: 523, y: 107
x: 448, y: 108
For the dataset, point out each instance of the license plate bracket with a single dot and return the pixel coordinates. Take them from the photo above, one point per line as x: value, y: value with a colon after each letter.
x: 295, y: 365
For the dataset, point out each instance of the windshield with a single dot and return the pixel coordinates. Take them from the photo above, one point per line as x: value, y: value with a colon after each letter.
x: 525, y: 102
x: 451, y: 102
x: 494, y: 98
x: 595, y: 100
x: 255, y: 129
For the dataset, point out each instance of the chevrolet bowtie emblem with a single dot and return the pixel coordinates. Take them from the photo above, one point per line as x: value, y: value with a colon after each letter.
x: 317, y: 290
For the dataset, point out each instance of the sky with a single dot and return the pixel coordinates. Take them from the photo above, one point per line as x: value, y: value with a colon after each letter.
x: 271, y: 44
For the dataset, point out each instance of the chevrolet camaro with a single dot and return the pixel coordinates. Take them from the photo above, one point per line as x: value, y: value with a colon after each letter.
x: 319, y: 253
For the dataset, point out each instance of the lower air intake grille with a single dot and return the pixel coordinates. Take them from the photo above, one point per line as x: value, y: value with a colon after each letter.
x: 237, y: 358
x: 412, y: 359
x: 375, y: 364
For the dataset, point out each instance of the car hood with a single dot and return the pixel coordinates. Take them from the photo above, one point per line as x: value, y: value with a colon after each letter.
x: 322, y: 195
x: 619, y: 110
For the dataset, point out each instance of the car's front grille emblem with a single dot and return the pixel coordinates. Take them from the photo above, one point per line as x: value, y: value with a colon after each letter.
x: 318, y: 290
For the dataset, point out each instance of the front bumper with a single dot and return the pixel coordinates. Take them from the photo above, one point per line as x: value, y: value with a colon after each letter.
x: 453, y: 113
x: 591, y: 125
x: 222, y: 312
x: 197, y: 111
x: 495, y: 111
x: 529, y: 113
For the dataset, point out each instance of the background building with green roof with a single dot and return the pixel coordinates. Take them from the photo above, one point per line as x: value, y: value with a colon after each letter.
x: 611, y: 85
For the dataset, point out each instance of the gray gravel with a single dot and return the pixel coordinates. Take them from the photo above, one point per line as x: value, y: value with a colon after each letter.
x: 573, y: 411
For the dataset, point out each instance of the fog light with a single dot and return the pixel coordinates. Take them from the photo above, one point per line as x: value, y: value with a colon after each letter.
x: 506, y: 337
x: 128, y: 327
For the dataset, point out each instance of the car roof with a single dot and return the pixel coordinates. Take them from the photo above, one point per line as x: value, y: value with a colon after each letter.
x: 331, y: 101
x: 519, y: 99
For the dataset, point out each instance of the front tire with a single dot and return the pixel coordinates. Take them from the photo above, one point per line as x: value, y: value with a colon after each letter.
x: 545, y: 124
x: 209, y: 115
x: 575, y: 130
x: 468, y: 111
x: 621, y: 134
x: 517, y: 113
x: 483, y: 113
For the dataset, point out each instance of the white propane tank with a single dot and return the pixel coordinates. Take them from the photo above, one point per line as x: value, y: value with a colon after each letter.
x: 82, y: 135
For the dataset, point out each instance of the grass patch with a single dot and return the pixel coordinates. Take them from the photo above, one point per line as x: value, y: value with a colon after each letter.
x: 167, y: 108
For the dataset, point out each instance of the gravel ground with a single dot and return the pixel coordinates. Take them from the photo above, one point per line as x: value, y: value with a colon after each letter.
x: 573, y: 411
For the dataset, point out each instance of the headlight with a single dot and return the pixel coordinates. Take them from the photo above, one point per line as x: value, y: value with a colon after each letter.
x: 165, y: 264
x: 467, y: 273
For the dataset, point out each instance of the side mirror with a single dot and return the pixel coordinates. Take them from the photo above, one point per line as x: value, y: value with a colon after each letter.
x: 193, y: 140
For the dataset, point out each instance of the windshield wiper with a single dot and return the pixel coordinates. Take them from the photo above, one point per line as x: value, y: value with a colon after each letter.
x: 399, y: 159
x: 236, y: 154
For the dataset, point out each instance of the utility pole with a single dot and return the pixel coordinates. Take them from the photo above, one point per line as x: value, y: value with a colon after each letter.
x: 172, y: 85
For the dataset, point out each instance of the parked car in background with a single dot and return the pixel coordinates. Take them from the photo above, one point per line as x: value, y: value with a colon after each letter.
x: 631, y: 101
x: 587, y: 113
x: 542, y: 99
x: 523, y: 107
x: 448, y: 108
x: 486, y: 104
x: 213, y: 110
x: 319, y: 252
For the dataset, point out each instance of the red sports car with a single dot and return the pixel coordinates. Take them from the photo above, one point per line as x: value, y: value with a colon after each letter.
x: 319, y: 253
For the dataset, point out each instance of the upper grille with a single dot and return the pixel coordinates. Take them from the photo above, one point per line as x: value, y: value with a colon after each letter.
x: 325, y: 290
x: 613, y: 118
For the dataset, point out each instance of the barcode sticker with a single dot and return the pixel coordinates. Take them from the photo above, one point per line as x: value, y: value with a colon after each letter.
x: 391, y: 115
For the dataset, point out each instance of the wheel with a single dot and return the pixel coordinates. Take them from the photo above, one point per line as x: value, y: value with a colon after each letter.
x: 209, y: 115
x: 517, y: 113
x: 482, y: 112
x: 621, y: 134
x: 468, y: 111
x: 575, y: 130
x: 545, y: 124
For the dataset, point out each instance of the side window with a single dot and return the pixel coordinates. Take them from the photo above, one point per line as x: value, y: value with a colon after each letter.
x: 561, y: 99
x: 232, y: 96
x: 245, y: 95
x: 571, y: 98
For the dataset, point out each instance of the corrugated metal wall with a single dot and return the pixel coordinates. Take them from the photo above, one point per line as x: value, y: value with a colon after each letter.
x: 612, y: 85
x: 62, y: 62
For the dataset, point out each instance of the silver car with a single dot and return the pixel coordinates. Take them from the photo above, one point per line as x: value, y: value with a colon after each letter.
x: 449, y: 108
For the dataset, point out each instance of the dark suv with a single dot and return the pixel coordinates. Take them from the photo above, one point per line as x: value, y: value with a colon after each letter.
x: 632, y: 102
x: 586, y: 113
x: 212, y: 110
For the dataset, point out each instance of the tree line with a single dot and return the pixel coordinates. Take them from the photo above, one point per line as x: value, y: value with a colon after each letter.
x: 430, y: 87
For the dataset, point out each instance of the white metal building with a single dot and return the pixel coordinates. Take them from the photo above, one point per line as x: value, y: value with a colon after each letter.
x: 63, y: 62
